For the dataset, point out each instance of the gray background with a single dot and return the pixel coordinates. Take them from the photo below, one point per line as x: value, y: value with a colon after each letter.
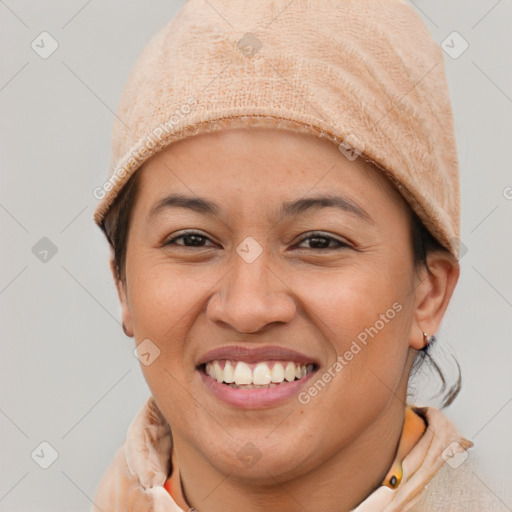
x: 68, y: 373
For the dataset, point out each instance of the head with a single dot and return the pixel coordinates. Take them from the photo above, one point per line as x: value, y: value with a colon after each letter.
x: 324, y: 277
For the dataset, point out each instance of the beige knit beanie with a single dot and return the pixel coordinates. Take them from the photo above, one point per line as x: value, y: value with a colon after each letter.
x: 366, y: 74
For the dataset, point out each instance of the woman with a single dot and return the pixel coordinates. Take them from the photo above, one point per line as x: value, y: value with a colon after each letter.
x: 283, y: 212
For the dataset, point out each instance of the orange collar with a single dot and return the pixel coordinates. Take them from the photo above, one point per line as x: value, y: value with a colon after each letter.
x: 414, y: 427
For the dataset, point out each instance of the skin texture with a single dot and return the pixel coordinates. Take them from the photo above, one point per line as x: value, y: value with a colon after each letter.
x: 332, y: 452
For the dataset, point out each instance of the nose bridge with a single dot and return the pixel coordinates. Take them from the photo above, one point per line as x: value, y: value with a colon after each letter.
x: 251, y: 264
x: 252, y: 295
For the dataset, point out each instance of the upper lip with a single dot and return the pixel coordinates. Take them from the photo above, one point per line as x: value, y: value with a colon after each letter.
x: 255, y: 355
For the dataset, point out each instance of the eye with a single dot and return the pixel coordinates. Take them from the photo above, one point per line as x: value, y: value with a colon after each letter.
x: 193, y: 237
x: 322, y: 241
x: 318, y: 240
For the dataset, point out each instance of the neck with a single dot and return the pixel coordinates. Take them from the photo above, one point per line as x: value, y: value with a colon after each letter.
x: 338, y: 484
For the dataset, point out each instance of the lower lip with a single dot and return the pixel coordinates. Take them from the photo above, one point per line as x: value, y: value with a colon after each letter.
x: 255, y: 398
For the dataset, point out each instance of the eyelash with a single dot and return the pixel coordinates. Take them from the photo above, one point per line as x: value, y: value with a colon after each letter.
x: 314, y: 234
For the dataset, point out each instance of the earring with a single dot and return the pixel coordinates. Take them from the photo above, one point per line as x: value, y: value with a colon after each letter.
x: 428, y: 339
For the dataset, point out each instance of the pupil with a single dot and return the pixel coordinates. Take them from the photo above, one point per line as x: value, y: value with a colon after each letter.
x: 314, y: 240
x: 197, y: 238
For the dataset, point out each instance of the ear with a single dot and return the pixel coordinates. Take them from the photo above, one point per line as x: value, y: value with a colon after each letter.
x: 433, y: 291
x: 123, y: 301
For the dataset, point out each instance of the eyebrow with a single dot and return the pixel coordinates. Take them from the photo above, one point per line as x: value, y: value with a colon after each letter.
x: 288, y: 208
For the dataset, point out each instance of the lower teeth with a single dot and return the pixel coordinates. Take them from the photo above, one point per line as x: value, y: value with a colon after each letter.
x: 253, y: 386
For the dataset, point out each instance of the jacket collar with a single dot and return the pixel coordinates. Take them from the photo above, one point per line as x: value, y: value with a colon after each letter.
x: 148, y: 452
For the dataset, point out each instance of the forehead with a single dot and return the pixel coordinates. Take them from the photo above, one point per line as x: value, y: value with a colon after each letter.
x: 259, y: 166
x: 263, y: 148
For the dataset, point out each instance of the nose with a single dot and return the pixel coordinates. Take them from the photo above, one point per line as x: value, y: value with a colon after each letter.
x: 251, y: 297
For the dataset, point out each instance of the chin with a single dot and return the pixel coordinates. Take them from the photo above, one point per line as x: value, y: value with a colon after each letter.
x: 259, y: 459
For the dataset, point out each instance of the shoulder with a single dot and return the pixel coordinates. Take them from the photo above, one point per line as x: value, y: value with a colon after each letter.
x: 467, y: 487
x: 133, y: 480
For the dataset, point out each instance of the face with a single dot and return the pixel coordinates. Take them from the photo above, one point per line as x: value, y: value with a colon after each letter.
x: 330, y: 286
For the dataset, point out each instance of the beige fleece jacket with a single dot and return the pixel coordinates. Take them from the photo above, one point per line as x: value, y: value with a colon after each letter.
x: 434, y: 479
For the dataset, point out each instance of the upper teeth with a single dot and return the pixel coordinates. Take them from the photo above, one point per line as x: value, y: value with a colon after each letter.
x: 241, y: 373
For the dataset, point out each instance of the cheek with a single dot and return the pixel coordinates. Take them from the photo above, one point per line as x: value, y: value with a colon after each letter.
x: 163, y: 307
x: 364, y: 318
x: 161, y: 302
x: 362, y: 303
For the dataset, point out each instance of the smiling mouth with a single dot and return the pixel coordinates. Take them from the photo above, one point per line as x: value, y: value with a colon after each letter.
x: 265, y: 374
